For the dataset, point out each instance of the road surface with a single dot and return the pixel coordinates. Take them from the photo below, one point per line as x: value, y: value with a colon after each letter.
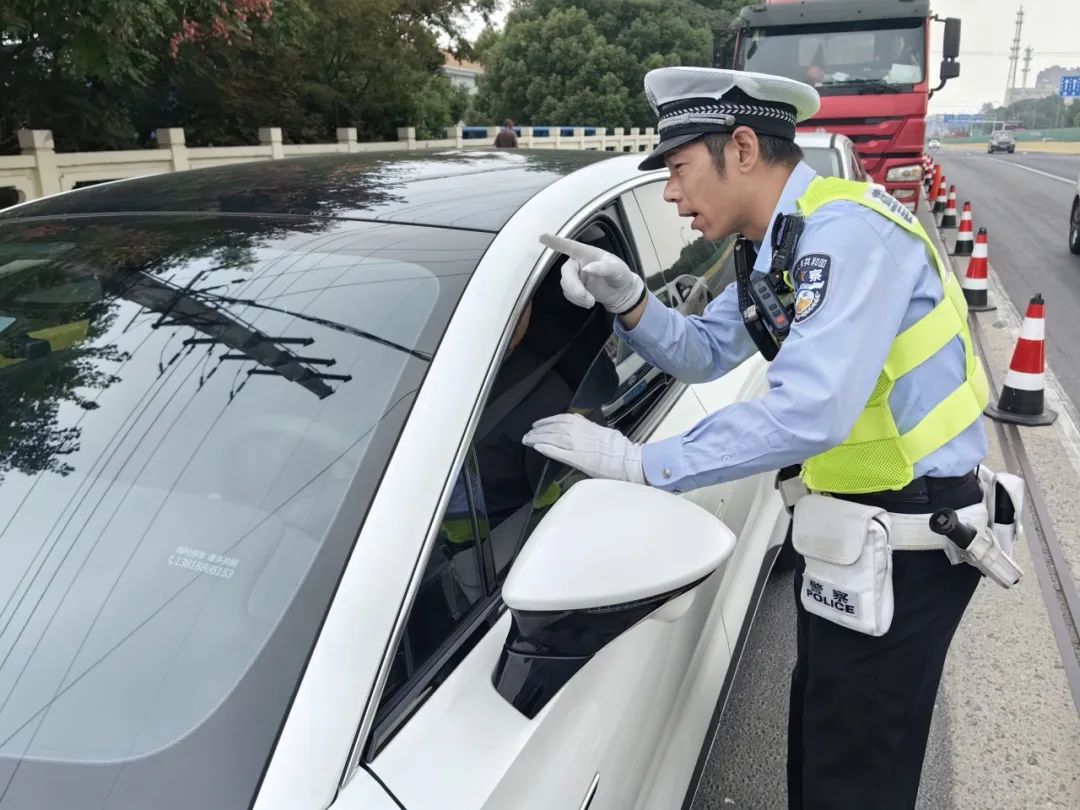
x: 1024, y: 201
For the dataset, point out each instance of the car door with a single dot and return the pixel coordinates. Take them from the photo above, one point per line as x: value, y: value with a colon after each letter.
x: 688, y: 261
x: 750, y: 506
x: 444, y: 737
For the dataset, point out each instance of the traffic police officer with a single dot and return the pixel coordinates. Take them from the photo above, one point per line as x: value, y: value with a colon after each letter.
x: 874, y: 390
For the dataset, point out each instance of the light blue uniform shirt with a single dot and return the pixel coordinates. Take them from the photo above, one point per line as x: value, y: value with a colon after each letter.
x: 881, y: 280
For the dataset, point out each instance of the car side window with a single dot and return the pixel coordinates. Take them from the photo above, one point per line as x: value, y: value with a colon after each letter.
x: 551, y: 361
x: 456, y: 579
x: 542, y: 376
x: 857, y: 170
x: 694, y: 268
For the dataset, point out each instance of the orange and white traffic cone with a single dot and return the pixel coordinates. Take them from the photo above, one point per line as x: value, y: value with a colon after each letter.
x: 948, y: 219
x: 935, y: 184
x: 977, y: 277
x: 941, y: 199
x: 1021, y: 400
x: 964, y: 243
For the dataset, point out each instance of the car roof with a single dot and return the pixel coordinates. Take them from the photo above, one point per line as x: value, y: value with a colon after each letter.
x: 815, y: 140
x: 488, y: 186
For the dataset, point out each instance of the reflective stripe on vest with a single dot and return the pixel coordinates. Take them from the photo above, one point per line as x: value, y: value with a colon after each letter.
x: 875, y: 456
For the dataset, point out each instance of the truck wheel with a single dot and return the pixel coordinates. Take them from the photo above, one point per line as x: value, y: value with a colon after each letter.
x: 1074, y: 227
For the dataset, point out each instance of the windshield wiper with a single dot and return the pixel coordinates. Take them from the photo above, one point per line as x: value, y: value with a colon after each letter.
x: 874, y: 86
x: 340, y: 327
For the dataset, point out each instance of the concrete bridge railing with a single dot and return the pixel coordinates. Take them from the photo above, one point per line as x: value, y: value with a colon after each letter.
x: 41, y: 170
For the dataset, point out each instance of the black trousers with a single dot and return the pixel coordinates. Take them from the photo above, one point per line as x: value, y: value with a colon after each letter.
x: 861, y: 706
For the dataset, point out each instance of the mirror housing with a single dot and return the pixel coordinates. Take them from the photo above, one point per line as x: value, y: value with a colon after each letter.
x: 950, y: 47
x: 724, y: 46
x: 950, y: 51
x: 607, y: 555
x: 606, y: 543
x: 949, y: 70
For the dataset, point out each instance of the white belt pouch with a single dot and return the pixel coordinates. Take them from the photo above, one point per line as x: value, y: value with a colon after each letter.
x: 848, y: 576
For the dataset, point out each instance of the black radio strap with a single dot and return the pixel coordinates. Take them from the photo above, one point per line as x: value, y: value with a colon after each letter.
x: 745, y: 256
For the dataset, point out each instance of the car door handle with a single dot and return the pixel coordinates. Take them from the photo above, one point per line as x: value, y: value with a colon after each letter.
x: 586, y: 803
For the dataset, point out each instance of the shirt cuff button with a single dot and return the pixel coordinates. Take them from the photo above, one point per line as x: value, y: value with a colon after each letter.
x: 666, y: 472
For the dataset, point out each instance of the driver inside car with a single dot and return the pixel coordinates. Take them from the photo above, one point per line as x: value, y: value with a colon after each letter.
x: 554, y: 363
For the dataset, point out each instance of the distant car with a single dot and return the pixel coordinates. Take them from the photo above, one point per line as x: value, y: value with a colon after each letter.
x: 1074, y: 221
x: 831, y: 154
x: 934, y: 143
x: 1001, y: 142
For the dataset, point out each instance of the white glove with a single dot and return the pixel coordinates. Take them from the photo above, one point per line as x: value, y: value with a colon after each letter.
x: 592, y: 274
x: 597, y: 451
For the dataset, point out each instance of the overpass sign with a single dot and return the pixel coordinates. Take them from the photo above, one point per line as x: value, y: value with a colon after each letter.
x: 1070, y: 87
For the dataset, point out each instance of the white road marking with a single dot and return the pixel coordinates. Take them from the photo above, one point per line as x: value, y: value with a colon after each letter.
x: 1035, y: 171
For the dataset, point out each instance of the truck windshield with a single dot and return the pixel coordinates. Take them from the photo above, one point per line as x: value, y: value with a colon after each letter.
x: 843, y: 58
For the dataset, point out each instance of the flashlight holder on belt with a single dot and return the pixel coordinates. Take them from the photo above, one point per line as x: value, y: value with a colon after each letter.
x: 765, y: 299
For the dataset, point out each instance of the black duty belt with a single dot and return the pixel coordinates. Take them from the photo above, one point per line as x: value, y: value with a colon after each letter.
x: 924, y: 494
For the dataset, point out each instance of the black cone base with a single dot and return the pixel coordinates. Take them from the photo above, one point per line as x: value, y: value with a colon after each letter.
x: 963, y: 249
x: 1021, y: 408
x: 1047, y: 417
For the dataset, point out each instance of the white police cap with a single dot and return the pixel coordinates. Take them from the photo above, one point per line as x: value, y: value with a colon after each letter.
x: 693, y: 101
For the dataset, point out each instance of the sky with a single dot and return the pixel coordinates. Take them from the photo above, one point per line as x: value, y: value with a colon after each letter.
x: 987, y: 28
x: 1050, y: 27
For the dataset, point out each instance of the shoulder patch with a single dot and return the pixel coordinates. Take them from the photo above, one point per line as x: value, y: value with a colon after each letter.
x: 879, y: 195
x: 810, y: 277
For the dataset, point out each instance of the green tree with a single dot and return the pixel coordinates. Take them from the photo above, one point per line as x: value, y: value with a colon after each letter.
x: 67, y: 64
x: 583, y: 62
x: 104, y: 74
x: 1039, y: 113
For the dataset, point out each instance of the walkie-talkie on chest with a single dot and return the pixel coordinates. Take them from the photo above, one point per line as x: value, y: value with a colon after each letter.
x: 766, y: 300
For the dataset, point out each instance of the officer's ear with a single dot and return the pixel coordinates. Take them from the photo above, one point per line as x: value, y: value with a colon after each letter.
x: 747, y: 148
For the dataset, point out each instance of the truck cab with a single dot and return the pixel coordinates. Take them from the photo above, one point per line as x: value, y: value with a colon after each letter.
x: 868, y: 61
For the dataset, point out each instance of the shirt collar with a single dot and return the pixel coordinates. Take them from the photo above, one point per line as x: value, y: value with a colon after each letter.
x: 796, y: 186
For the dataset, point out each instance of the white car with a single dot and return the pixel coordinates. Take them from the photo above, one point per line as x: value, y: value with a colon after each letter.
x: 934, y: 143
x: 831, y: 154
x: 270, y: 537
x: 1074, y: 221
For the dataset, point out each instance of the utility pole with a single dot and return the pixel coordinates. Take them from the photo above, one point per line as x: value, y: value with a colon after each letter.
x: 1014, y: 55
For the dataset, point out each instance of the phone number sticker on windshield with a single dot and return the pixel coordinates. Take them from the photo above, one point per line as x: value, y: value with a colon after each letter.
x: 204, y: 562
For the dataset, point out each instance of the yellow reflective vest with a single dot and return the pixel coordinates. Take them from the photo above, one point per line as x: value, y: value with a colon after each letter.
x: 875, y: 455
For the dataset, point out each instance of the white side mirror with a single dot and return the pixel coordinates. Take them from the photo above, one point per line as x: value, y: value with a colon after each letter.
x: 607, y: 555
x: 607, y: 543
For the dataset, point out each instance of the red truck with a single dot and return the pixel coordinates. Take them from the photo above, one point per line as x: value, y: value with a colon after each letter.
x: 867, y: 59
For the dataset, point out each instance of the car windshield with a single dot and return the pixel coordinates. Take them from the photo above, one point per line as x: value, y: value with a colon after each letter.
x: 878, y: 56
x: 196, y: 413
x: 822, y: 160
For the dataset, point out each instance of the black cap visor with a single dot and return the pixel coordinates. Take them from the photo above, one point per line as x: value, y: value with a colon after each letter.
x: 655, y: 160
